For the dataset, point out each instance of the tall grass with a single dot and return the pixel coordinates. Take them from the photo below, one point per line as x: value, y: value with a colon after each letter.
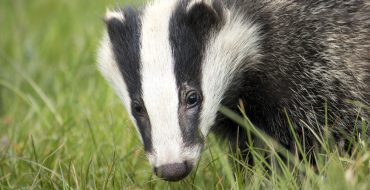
x: 62, y: 127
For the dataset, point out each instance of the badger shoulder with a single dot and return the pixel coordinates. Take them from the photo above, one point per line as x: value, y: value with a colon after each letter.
x: 315, y: 56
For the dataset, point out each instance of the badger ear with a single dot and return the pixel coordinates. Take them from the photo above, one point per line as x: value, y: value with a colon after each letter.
x: 115, y: 23
x: 204, y: 15
x: 111, y: 14
x: 122, y: 24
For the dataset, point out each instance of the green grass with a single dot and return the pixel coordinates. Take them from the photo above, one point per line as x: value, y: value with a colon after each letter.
x: 62, y: 127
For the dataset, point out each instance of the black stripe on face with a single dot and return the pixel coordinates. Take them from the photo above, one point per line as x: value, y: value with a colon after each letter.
x: 125, y: 38
x: 188, y: 38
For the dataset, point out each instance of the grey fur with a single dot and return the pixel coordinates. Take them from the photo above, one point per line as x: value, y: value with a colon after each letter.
x: 314, y: 53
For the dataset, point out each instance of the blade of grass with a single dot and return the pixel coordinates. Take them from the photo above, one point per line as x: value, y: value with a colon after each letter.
x: 271, y: 143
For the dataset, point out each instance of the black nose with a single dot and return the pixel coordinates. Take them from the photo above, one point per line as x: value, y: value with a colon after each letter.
x: 173, y: 172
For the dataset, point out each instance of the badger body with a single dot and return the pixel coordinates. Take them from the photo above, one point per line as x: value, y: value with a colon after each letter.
x: 174, y: 63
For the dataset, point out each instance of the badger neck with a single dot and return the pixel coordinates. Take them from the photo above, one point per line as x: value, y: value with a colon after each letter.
x: 232, y: 49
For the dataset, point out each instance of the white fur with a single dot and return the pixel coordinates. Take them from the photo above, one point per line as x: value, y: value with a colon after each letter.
x: 195, y: 2
x: 224, y: 57
x: 160, y: 92
x: 117, y: 14
x: 109, y: 68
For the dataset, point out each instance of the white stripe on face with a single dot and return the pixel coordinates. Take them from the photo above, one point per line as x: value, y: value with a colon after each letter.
x: 160, y: 93
x: 226, y: 55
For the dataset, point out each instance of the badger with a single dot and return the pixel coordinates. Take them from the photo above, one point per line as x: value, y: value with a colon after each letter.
x: 174, y: 63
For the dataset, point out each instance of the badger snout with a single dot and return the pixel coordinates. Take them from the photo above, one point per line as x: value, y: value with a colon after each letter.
x: 173, y: 172
x: 173, y: 163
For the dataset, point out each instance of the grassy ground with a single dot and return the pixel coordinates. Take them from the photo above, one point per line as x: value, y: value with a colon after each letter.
x: 62, y: 127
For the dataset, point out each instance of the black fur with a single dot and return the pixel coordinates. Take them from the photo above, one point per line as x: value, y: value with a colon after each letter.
x: 188, y: 32
x: 125, y: 39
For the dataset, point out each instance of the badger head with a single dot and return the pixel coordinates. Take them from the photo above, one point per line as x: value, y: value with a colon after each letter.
x: 171, y: 63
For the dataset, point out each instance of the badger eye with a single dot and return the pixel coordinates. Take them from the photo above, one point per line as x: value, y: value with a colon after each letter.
x: 192, y: 99
x: 138, y: 108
